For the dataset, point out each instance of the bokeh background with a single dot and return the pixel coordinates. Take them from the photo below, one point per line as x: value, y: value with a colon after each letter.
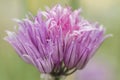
x: 105, y: 65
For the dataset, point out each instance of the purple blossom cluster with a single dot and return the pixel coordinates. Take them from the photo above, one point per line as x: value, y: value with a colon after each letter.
x: 57, y: 41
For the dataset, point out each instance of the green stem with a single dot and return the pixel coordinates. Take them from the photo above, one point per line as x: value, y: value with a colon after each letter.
x: 57, y: 78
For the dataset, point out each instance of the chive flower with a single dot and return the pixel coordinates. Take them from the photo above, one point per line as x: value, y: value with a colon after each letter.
x: 57, y: 41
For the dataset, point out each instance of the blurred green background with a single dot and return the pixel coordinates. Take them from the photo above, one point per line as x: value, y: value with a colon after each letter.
x: 106, y: 12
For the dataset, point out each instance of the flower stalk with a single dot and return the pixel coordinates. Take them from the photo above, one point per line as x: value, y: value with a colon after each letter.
x: 51, y: 77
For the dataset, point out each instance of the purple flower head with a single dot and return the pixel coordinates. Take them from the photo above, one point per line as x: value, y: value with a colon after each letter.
x: 57, y: 41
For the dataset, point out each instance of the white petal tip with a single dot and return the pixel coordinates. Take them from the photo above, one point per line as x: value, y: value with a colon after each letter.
x: 16, y: 20
x: 9, y: 33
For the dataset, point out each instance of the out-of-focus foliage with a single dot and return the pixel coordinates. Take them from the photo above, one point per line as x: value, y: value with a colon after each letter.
x: 35, y: 5
x: 104, y: 11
